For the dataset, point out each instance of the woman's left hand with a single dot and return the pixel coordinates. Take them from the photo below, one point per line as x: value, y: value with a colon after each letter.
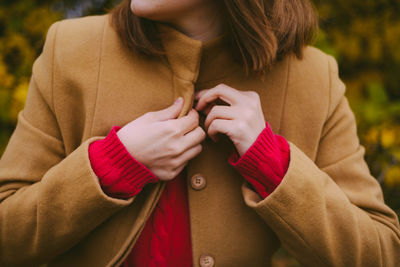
x: 242, y: 121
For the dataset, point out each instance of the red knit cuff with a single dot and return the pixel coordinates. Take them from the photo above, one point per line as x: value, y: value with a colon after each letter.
x: 265, y: 163
x: 120, y: 174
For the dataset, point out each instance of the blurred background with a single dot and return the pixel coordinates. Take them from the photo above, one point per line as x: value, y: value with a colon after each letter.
x: 364, y: 37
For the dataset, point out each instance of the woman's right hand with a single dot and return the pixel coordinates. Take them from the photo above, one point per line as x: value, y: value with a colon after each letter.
x: 163, y: 143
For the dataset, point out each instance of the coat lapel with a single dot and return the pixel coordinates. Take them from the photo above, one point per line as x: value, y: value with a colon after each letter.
x: 194, y: 67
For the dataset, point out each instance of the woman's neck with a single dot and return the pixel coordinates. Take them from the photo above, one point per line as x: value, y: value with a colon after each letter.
x: 201, y: 24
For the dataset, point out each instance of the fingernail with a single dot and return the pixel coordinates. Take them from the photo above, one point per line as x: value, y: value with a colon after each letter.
x: 179, y: 100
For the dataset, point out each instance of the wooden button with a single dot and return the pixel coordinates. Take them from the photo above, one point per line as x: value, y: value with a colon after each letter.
x: 198, y: 182
x: 206, y: 260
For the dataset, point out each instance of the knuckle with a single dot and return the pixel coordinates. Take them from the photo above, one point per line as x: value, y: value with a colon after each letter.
x: 175, y: 163
x: 179, y: 148
x: 162, y: 174
x: 248, y: 114
x: 171, y: 128
x: 254, y: 94
x: 175, y: 172
x: 194, y: 112
x: 215, y: 109
x: 148, y: 115
x: 223, y: 86
x: 219, y: 86
x: 158, y: 173
x: 172, y: 149
x: 167, y: 127
x: 202, y: 133
x: 241, y: 126
x: 253, y: 104
x: 195, y: 116
x: 169, y: 174
x: 176, y: 131
x: 255, y: 97
x: 211, y: 128
x: 215, y: 123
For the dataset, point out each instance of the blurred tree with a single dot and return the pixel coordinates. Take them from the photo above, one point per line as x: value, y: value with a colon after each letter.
x: 23, y: 26
x: 364, y: 36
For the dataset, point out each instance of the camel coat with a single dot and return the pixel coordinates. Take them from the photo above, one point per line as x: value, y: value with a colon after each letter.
x: 328, y: 210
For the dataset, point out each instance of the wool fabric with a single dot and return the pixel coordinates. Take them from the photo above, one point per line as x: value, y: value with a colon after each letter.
x: 328, y: 209
x: 165, y: 240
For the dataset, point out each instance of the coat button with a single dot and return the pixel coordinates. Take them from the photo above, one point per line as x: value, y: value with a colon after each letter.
x: 198, y: 182
x: 206, y: 260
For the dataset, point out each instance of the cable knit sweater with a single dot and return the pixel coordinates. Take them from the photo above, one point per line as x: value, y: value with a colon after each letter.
x: 165, y: 239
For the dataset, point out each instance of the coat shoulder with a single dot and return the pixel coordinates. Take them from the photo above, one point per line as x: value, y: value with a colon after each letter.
x: 69, y: 70
x: 78, y: 40
x: 315, y: 57
x: 318, y: 74
x: 81, y: 30
x: 314, y: 65
x: 314, y: 90
x: 69, y: 46
x: 320, y: 66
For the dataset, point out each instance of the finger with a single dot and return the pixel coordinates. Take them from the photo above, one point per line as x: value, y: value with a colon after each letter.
x: 168, y: 174
x: 189, y: 154
x: 168, y: 113
x: 193, y: 138
x: 198, y: 94
x: 188, y: 122
x: 220, y: 112
x: 178, y: 170
x: 224, y: 92
x: 207, y: 108
x: 219, y: 126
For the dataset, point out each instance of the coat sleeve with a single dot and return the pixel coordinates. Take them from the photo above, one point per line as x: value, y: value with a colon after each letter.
x: 331, y: 212
x: 48, y: 201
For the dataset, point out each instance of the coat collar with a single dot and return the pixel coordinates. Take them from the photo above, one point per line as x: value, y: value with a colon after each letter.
x: 190, y: 65
x: 194, y: 60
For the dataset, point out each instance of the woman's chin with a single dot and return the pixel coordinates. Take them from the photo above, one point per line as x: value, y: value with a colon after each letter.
x: 149, y: 9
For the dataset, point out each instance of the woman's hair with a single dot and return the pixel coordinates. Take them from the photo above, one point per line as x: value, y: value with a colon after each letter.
x: 260, y: 31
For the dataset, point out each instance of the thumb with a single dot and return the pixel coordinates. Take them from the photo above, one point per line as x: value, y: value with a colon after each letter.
x: 170, y: 112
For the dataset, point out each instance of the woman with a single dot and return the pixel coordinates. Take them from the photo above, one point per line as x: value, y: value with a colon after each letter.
x: 189, y: 132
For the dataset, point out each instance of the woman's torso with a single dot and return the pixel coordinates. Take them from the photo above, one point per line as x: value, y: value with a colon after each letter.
x: 98, y: 84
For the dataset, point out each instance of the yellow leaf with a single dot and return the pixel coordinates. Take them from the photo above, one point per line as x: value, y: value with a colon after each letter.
x: 18, y: 99
x: 388, y: 137
x: 6, y: 80
x: 392, y: 177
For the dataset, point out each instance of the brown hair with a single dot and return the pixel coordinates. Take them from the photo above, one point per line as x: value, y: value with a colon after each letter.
x: 261, y: 31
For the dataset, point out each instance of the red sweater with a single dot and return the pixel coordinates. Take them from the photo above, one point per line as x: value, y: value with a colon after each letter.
x: 263, y: 165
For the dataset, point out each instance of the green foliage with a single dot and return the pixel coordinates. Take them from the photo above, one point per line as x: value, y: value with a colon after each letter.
x: 23, y: 26
x: 364, y: 36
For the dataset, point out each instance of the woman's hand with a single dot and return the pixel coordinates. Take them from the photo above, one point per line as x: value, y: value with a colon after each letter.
x: 163, y: 143
x: 242, y: 121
